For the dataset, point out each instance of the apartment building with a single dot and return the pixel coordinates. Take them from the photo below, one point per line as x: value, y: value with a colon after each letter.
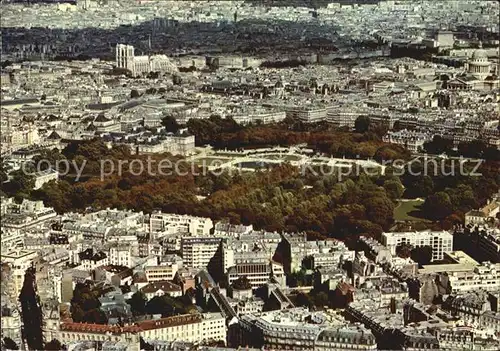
x: 307, y: 114
x: 413, y: 141
x: 90, y: 260
x: 225, y: 228
x: 190, y: 328
x: 86, y: 230
x: 121, y: 256
x: 21, y: 136
x: 197, y: 252
x: 25, y: 215
x: 374, y: 250
x: 469, y: 306
x: 245, y: 250
x: 12, y: 240
x: 18, y: 262
x: 330, y: 259
x: 490, y: 320
x: 260, y: 117
x: 195, y: 328
x: 160, y: 273
x: 174, y: 223
x: 341, y: 118
x: 11, y: 324
x: 439, y: 241
x: 383, y: 291
x: 161, y: 288
x: 213, y: 327
x: 299, y: 329
x: 485, y: 276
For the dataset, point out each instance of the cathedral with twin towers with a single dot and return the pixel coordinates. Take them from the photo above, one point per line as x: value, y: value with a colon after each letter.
x: 137, y: 65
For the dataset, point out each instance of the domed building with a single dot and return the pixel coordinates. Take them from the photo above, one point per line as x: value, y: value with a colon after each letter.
x: 479, y: 66
x: 478, y: 74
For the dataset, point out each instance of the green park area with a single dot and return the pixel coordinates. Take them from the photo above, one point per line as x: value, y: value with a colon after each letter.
x: 408, y: 210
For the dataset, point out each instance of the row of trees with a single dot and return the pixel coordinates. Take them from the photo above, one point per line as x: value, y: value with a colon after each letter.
x: 473, y: 149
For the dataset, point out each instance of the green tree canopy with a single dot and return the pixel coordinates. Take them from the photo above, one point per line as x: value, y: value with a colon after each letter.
x: 438, y: 206
x: 438, y: 145
x: 138, y: 303
x: 422, y: 255
x: 362, y: 124
x: 394, y: 188
x: 54, y: 345
x: 85, y: 304
x: 242, y: 283
x: 303, y: 300
x: 170, y: 124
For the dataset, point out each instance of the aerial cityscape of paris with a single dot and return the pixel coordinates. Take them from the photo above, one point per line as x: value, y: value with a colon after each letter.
x: 251, y: 175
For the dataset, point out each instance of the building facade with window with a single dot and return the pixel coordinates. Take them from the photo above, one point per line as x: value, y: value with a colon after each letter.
x: 439, y: 241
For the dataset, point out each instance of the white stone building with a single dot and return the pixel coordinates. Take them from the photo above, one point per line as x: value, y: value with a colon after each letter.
x: 43, y: 177
x: 485, y: 276
x: 482, y: 215
x: 195, y: 328
x: 121, y: 255
x: 307, y: 114
x: 440, y: 242
x: 197, y: 252
x: 18, y: 262
x: 163, y: 272
x: 413, y: 141
x: 174, y: 223
x: 299, y: 329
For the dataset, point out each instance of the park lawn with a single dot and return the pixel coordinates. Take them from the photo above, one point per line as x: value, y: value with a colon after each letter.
x: 406, y: 211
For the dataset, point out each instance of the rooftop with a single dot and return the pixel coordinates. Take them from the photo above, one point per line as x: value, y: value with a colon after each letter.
x: 161, y: 285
